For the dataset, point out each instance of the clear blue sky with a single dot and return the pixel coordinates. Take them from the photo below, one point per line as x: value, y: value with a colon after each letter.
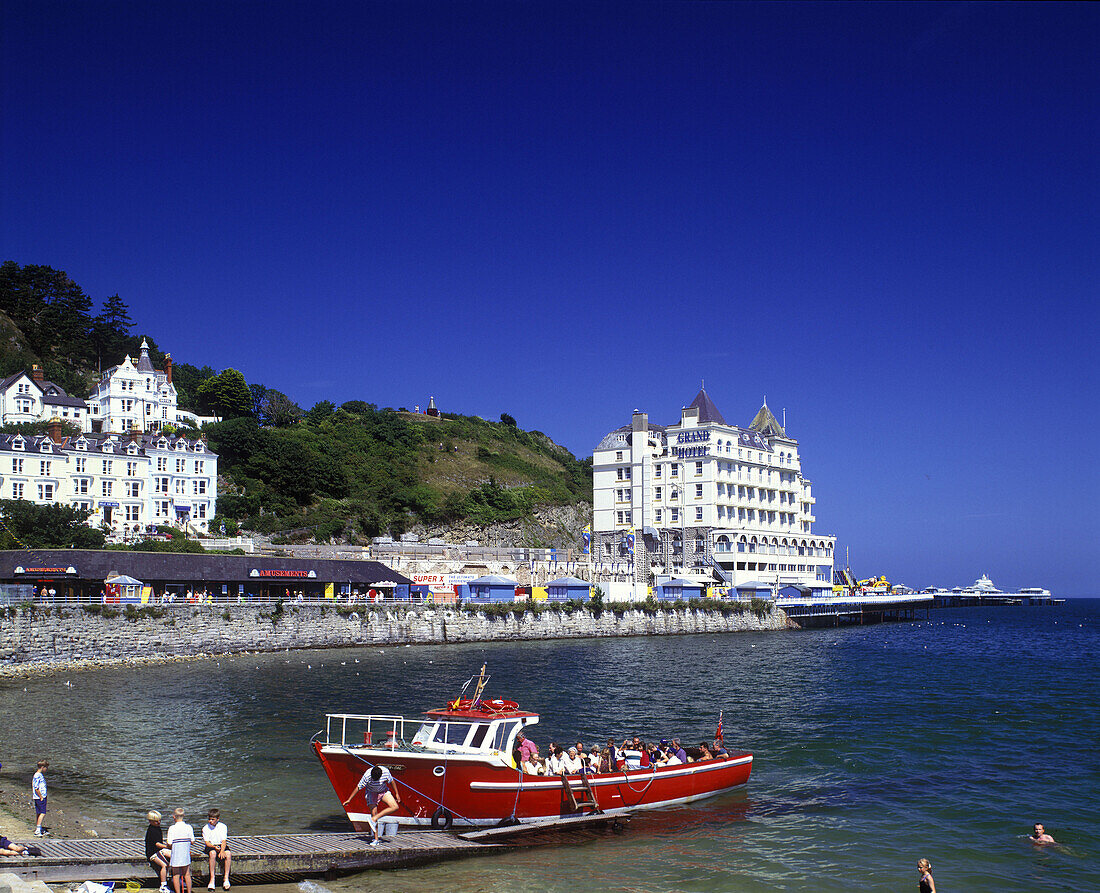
x: 884, y: 217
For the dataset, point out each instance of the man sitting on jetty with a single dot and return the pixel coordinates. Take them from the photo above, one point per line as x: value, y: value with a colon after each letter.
x: 377, y: 781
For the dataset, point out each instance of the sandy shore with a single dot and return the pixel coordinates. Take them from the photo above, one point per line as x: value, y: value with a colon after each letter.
x: 17, y: 814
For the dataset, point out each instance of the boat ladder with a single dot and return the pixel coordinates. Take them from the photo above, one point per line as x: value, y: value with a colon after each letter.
x: 587, y: 800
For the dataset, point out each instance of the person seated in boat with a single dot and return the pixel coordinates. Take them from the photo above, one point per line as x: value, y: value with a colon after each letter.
x: 704, y: 751
x: 595, y: 757
x: 671, y: 757
x: 614, y: 754
x: 532, y: 767
x: 606, y: 762
x: 719, y: 750
x: 571, y: 764
x: 555, y: 760
x: 681, y: 754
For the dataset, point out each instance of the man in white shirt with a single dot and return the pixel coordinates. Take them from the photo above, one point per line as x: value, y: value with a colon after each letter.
x: 381, y: 799
x: 214, y: 838
x: 180, y: 837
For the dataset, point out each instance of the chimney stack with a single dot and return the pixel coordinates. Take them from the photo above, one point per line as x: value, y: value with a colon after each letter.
x: 53, y: 429
x: 168, y: 367
x: 37, y: 374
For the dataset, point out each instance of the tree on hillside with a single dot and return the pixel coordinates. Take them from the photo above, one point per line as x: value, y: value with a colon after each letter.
x: 506, y: 419
x: 56, y: 526
x: 321, y: 411
x: 186, y: 380
x: 110, y: 331
x: 273, y: 408
x: 225, y: 395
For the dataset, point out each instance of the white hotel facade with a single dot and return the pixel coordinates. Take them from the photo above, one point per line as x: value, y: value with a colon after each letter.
x: 706, y: 500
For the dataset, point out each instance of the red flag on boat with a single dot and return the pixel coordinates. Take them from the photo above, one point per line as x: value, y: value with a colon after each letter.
x: 718, y: 731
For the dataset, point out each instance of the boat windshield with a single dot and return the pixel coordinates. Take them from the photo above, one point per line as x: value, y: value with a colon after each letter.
x: 466, y: 736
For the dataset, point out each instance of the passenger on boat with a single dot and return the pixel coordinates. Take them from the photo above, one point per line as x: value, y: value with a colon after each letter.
x: 704, y: 751
x: 680, y: 752
x: 529, y: 749
x: 672, y: 758
x: 614, y: 754
x: 531, y: 767
x: 606, y: 762
x: 571, y: 764
x: 719, y: 750
x: 555, y: 761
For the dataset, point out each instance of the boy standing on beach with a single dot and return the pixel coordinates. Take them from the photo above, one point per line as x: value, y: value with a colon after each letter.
x: 38, y: 792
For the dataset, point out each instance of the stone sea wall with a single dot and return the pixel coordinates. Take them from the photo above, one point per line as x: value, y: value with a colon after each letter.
x: 60, y: 636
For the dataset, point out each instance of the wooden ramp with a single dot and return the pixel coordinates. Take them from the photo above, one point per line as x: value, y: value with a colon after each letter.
x: 255, y: 859
x: 284, y: 857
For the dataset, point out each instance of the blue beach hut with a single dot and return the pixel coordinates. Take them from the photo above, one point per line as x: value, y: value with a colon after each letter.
x: 793, y: 592
x: 753, y: 589
x: 679, y: 588
x: 565, y: 588
x: 492, y: 588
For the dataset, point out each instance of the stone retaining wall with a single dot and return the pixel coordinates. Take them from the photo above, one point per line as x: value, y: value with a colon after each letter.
x: 63, y: 635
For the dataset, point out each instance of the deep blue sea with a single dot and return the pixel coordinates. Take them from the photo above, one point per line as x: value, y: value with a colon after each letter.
x: 942, y: 738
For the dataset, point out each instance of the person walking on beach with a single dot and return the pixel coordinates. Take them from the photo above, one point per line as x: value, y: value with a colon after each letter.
x: 214, y: 838
x: 38, y: 792
x: 180, y: 837
x: 156, y: 850
x: 927, y: 883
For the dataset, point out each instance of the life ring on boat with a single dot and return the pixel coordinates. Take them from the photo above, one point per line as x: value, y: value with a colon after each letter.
x: 442, y: 819
x: 499, y: 706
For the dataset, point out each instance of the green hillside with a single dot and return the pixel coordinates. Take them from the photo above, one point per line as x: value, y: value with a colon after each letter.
x: 357, y: 471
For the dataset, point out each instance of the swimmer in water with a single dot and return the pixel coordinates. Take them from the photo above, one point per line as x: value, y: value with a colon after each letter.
x: 927, y: 884
x: 1039, y: 835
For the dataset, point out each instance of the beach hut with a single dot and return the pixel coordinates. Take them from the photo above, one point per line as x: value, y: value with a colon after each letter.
x: 679, y: 588
x: 793, y: 592
x: 753, y: 589
x: 565, y: 588
x: 124, y: 590
x: 491, y: 588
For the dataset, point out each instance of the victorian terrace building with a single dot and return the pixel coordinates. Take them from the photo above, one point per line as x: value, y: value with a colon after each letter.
x: 707, y: 499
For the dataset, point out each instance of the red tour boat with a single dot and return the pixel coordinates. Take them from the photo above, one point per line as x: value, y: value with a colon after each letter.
x: 455, y: 765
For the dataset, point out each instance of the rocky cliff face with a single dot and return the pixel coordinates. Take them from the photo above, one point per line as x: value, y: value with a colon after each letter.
x: 551, y: 527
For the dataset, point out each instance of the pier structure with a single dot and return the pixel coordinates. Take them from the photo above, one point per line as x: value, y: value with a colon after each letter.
x: 287, y: 857
x: 868, y: 608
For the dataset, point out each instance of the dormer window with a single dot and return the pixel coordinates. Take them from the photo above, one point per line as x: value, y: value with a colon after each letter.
x: 132, y: 450
x: 18, y: 443
x: 200, y: 447
x: 162, y: 444
x: 181, y: 444
x: 44, y: 447
x: 81, y: 444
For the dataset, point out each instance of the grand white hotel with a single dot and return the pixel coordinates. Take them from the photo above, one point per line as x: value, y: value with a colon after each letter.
x: 707, y: 500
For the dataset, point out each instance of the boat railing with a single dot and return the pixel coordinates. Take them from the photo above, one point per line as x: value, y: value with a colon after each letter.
x: 359, y: 729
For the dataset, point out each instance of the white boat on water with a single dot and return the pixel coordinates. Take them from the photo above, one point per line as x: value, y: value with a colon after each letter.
x: 983, y: 586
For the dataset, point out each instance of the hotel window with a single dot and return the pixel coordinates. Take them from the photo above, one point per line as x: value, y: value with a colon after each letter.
x: 657, y: 516
x: 675, y: 515
x: 127, y: 405
x: 200, y: 466
x: 200, y: 509
x: 162, y: 463
x: 107, y: 488
x: 131, y: 469
x: 16, y: 490
x: 162, y: 508
x: 656, y: 471
x: 628, y: 517
x: 133, y: 512
x: 16, y: 465
x: 698, y: 513
x: 161, y: 485
x: 698, y: 491
x: 619, y: 517
x: 657, y: 493
x: 45, y: 492
x: 181, y: 466
x: 673, y: 494
x: 619, y: 456
x: 675, y: 469
x: 106, y: 466
x: 45, y: 466
x: 133, y: 489
x: 698, y: 468
x: 81, y: 465
x: 81, y: 485
x: 181, y: 488
x: 200, y: 487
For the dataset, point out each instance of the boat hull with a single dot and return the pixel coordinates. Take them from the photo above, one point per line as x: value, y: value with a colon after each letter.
x: 475, y: 791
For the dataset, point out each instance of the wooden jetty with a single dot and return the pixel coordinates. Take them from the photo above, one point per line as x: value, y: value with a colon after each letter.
x: 283, y: 857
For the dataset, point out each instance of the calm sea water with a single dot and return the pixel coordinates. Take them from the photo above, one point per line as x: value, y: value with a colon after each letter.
x: 875, y: 746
